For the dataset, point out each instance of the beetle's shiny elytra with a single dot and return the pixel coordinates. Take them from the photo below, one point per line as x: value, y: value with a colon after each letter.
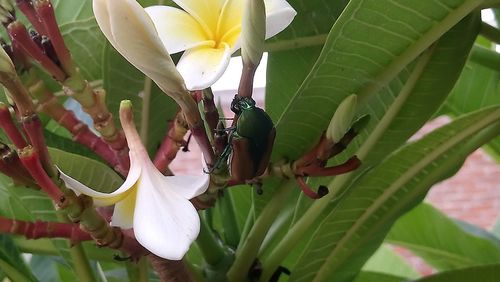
x: 251, y: 141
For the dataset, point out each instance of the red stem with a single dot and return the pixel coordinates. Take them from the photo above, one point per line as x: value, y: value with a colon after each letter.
x: 40, y: 229
x: 171, y: 144
x: 46, y: 13
x: 19, y: 35
x: 350, y: 165
x: 34, y: 129
x: 11, y: 166
x: 81, y: 132
x: 308, y: 191
x: 29, y: 11
x: 211, y: 113
x: 7, y: 124
x: 31, y: 162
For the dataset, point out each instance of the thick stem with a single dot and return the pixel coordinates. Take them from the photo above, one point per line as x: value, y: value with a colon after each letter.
x: 48, y: 104
x: 46, y: 14
x: 170, y: 270
x: 245, y: 88
x: 28, y: 10
x: 33, y: 128
x: 231, y: 232
x: 171, y: 144
x: 211, y: 112
x: 210, y: 247
x: 11, y: 166
x: 193, y: 119
x: 93, y: 103
x: 41, y: 229
x: 7, y: 124
x: 31, y: 161
x: 19, y: 35
x: 246, y: 254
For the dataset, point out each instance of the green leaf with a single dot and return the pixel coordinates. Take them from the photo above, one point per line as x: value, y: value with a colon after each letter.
x: 441, y: 242
x: 356, y: 226
x: 483, y: 273
x: 309, y: 28
x: 86, y: 43
x: 386, y: 261
x: 90, y: 172
x: 122, y: 81
x: 68, y: 12
x: 406, y: 104
x: 477, y: 88
x: 281, y: 86
x: 11, y: 262
x: 365, y: 50
x: 396, y: 113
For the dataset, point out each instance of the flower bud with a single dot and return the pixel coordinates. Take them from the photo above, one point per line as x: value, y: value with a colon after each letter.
x: 342, y: 119
x: 253, y: 31
x: 6, y: 65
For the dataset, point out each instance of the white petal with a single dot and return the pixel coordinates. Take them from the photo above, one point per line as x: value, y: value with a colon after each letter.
x: 206, y: 12
x: 279, y: 14
x: 101, y: 14
x: 231, y: 17
x: 103, y: 199
x: 201, y: 67
x: 177, y: 29
x: 123, y: 214
x: 136, y: 39
x: 165, y: 223
x: 188, y: 186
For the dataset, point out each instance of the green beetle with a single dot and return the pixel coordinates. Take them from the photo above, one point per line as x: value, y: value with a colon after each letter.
x: 251, y: 140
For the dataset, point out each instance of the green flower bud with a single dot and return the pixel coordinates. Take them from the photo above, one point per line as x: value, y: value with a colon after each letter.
x: 6, y: 65
x: 253, y: 31
x: 342, y: 119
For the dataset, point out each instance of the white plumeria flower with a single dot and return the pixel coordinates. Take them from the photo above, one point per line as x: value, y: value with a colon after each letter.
x: 209, y: 31
x: 156, y: 206
x: 132, y: 33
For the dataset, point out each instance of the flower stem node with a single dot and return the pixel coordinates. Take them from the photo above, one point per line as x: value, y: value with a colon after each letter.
x: 156, y: 206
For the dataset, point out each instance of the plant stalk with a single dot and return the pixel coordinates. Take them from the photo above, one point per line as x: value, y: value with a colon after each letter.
x: 246, y: 254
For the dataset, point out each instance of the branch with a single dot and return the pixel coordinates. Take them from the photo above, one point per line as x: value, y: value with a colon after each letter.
x: 41, y: 229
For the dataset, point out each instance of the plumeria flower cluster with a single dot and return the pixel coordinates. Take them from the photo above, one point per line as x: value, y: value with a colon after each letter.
x: 156, y: 206
x: 207, y: 31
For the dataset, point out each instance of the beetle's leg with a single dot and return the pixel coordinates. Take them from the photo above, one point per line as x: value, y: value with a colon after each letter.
x: 242, y: 165
x: 222, y: 158
x: 264, y: 161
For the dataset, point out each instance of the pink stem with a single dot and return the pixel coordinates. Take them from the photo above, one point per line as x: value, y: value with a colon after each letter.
x: 31, y: 162
x: 308, y: 191
x: 7, y: 124
x: 41, y: 229
x: 46, y: 13
x: 34, y: 129
x: 20, y: 36
x: 29, y: 11
x: 350, y: 165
